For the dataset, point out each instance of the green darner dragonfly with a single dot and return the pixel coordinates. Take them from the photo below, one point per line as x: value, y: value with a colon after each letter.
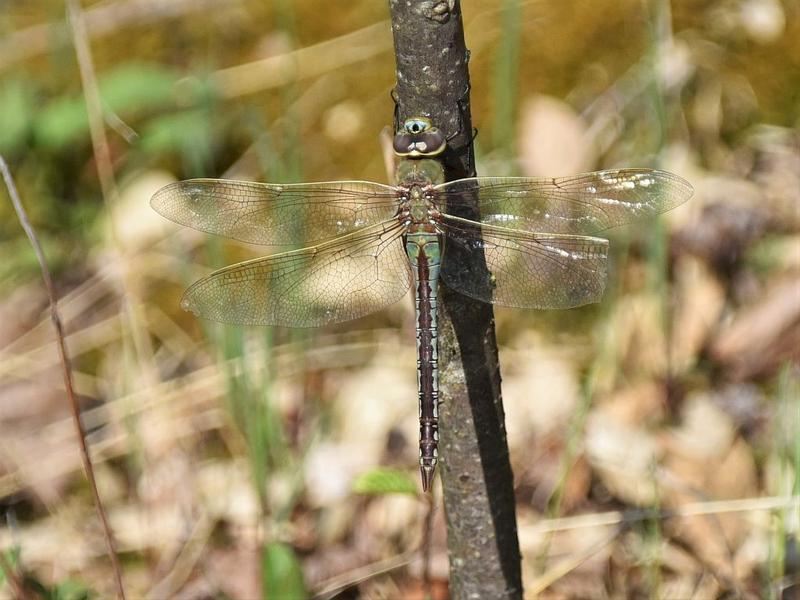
x: 365, y: 244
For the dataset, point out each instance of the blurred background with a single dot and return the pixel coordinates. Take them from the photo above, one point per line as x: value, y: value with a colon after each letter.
x: 654, y: 436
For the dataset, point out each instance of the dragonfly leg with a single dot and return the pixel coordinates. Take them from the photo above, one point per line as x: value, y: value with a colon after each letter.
x: 462, y: 109
x: 462, y: 104
x: 396, y: 113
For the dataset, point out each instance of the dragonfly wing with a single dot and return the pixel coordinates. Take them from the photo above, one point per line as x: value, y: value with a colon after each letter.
x: 581, y: 204
x: 339, y: 280
x: 525, y: 270
x: 276, y: 215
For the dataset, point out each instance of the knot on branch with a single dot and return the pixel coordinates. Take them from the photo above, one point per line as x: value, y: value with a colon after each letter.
x: 437, y: 10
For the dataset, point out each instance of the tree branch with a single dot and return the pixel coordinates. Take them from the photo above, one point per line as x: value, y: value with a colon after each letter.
x: 433, y: 81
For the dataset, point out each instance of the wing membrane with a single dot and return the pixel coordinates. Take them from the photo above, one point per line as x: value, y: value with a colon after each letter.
x: 525, y: 270
x: 580, y: 204
x: 343, y: 279
x: 276, y: 215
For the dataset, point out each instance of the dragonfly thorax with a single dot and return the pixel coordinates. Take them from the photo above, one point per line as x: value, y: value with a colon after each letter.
x: 421, y: 209
x: 417, y: 178
x: 421, y: 172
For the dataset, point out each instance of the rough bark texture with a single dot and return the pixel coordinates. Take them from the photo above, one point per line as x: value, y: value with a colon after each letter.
x: 433, y: 81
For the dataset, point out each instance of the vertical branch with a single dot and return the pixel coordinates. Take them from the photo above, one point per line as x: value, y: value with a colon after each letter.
x: 66, y: 368
x: 433, y: 81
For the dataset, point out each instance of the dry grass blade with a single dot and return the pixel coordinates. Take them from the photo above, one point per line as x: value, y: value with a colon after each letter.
x: 67, y: 371
x: 687, y: 510
x: 560, y: 569
x: 105, y: 173
x: 187, y: 393
x: 102, y: 19
x: 186, y: 560
x: 362, y: 574
x: 311, y: 61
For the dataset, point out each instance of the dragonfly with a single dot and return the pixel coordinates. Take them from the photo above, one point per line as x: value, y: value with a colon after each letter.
x: 363, y: 245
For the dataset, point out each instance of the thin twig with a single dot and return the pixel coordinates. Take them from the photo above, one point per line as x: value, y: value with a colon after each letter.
x: 66, y: 370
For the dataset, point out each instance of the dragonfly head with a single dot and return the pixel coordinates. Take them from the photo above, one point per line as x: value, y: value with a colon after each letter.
x: 418, y: 138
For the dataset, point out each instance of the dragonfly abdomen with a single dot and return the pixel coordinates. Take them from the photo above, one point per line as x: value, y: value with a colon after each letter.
x: 424, y: 254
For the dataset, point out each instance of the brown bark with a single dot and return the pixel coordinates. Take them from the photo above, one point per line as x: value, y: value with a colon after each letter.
x: 433, y: 81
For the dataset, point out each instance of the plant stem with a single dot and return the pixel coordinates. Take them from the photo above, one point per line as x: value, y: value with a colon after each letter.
x: 66, y: 369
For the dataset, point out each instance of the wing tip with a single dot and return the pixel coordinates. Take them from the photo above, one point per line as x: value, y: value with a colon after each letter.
x: 686, y: 189
x: 159, y: 200
x: 193, y: 303
x: 188, y: 304
x: 208, y: 311
x: 682, y: 190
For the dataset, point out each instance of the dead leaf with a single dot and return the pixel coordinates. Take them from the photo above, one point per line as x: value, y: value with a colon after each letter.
x: 623, y: 457
x: 699, y: 305
x: 763, y: 336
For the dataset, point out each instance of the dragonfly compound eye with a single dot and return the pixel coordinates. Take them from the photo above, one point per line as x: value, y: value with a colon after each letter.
x: 417, y: 125
x: 417, y: 138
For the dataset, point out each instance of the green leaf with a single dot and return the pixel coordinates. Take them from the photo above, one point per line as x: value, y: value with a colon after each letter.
x: 16, y: 114
x: 11, y: 560
x: 137, y: 86
x: 281, y: 573
x: 385, y: 481
x: 177, y: 131
x: 188, y: 133
x: 61, y: 122
x: 71, y: 590
x: 126, y: 90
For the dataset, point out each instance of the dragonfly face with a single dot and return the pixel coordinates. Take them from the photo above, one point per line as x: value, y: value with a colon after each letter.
x: 364, y: 245
x: 418, y: 137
